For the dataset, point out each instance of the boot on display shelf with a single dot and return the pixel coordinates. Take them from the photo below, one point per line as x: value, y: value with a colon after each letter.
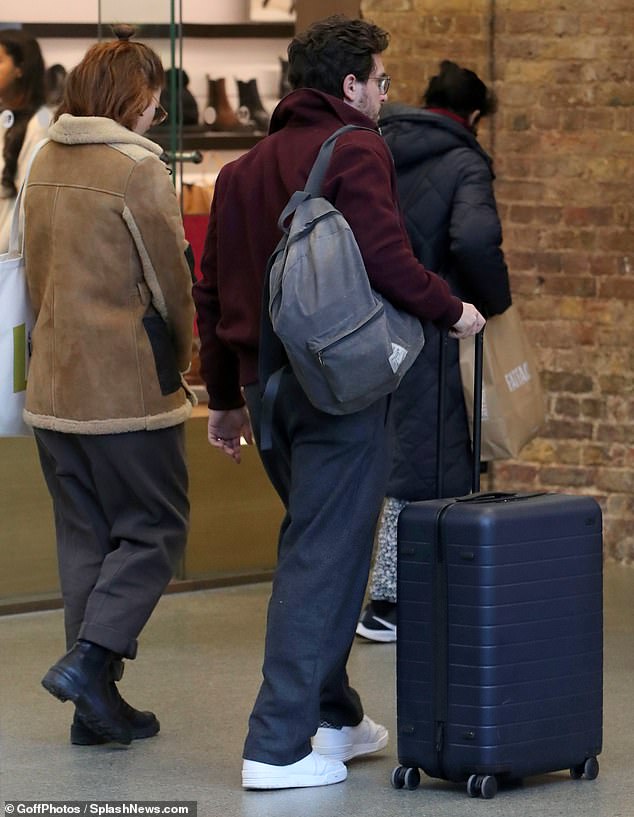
x: 219, y: 114
x: 250, y: 101
x: 185, y: 98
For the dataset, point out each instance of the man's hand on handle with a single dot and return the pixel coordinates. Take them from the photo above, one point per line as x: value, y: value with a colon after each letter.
x: 470, y: 323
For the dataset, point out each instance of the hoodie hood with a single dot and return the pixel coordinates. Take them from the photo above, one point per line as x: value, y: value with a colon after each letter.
x: 415, y: 135
x: 307, y: 106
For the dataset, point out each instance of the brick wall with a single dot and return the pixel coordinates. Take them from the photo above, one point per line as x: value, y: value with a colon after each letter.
x: 563, y: 146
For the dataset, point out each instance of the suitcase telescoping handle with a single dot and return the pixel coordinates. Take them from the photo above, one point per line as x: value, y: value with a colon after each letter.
x: 477, y: 412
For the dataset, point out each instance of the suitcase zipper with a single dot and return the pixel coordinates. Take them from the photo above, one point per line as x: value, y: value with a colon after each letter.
x: 441, y: 638
x: 440, y: 739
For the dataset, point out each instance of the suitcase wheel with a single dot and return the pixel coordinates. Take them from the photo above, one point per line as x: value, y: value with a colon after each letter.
x: 405, y: 776
x: 588, y: 769
x: 482, y: 785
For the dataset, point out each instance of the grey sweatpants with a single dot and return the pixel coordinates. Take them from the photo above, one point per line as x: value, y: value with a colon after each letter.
x: 330, y: 472
x: 121, y: 520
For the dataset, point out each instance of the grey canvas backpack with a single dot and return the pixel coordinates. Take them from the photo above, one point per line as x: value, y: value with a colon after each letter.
x: 345, y: 343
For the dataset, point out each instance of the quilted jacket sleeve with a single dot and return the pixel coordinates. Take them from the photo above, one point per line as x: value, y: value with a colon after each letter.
x: 475, y: 235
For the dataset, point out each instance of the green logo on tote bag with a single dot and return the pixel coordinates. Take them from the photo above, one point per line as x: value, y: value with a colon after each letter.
x: 19, y: 358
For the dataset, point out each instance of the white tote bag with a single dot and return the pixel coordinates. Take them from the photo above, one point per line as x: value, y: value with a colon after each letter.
x: 16, y: 324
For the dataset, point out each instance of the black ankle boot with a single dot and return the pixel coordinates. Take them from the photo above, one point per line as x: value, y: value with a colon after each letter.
x: 143, y: 724
x: 83, y: 676
x: 250, y: 99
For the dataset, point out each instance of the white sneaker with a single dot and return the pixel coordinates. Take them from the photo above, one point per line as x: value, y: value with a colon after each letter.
x: 312, y: 770
x: 345, y: 742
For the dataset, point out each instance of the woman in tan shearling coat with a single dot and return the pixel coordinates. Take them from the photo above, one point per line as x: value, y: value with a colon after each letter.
x: 110, y: 287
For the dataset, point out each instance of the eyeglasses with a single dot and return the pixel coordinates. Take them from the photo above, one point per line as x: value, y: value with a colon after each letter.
x: 160, y: 114
x: 383, y: 83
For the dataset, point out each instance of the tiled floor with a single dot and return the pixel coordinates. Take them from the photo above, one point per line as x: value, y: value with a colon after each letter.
x: 198, y: 668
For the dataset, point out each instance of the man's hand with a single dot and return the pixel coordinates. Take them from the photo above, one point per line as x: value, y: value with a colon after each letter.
x: 225, y: 428
x: 470, y: 323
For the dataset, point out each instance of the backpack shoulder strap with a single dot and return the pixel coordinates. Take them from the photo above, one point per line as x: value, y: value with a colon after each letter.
x: 318, y: 171
x: 272, y: 356
x: 312, y: 188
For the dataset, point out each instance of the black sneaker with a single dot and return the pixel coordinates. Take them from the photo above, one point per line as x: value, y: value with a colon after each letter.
x: 378, y: 621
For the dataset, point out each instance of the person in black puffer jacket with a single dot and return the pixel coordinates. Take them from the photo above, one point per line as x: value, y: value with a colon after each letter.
x: 445, y: 182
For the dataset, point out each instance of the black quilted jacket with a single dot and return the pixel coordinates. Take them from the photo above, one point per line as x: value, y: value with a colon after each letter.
x: 445, y: 182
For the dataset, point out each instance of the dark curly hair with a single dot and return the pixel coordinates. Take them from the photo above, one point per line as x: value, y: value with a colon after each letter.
x: 459, y: 90
x: 27, y: 95
x: 323, y: 55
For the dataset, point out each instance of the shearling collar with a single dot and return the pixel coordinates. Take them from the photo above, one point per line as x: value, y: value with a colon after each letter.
x: 87, y: 130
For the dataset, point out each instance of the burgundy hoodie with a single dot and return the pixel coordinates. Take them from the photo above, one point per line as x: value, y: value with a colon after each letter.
x: 249, y: 196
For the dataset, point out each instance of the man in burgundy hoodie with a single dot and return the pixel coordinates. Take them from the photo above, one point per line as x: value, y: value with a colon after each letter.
x: 330, y: 471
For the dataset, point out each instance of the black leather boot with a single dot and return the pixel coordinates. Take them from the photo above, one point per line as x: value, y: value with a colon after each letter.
x: 143, y: 724
x: 83, y: 677
x: 250, y: 99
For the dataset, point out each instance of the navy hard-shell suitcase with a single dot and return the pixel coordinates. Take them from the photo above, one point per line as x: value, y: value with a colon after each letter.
x: 500, y: 638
